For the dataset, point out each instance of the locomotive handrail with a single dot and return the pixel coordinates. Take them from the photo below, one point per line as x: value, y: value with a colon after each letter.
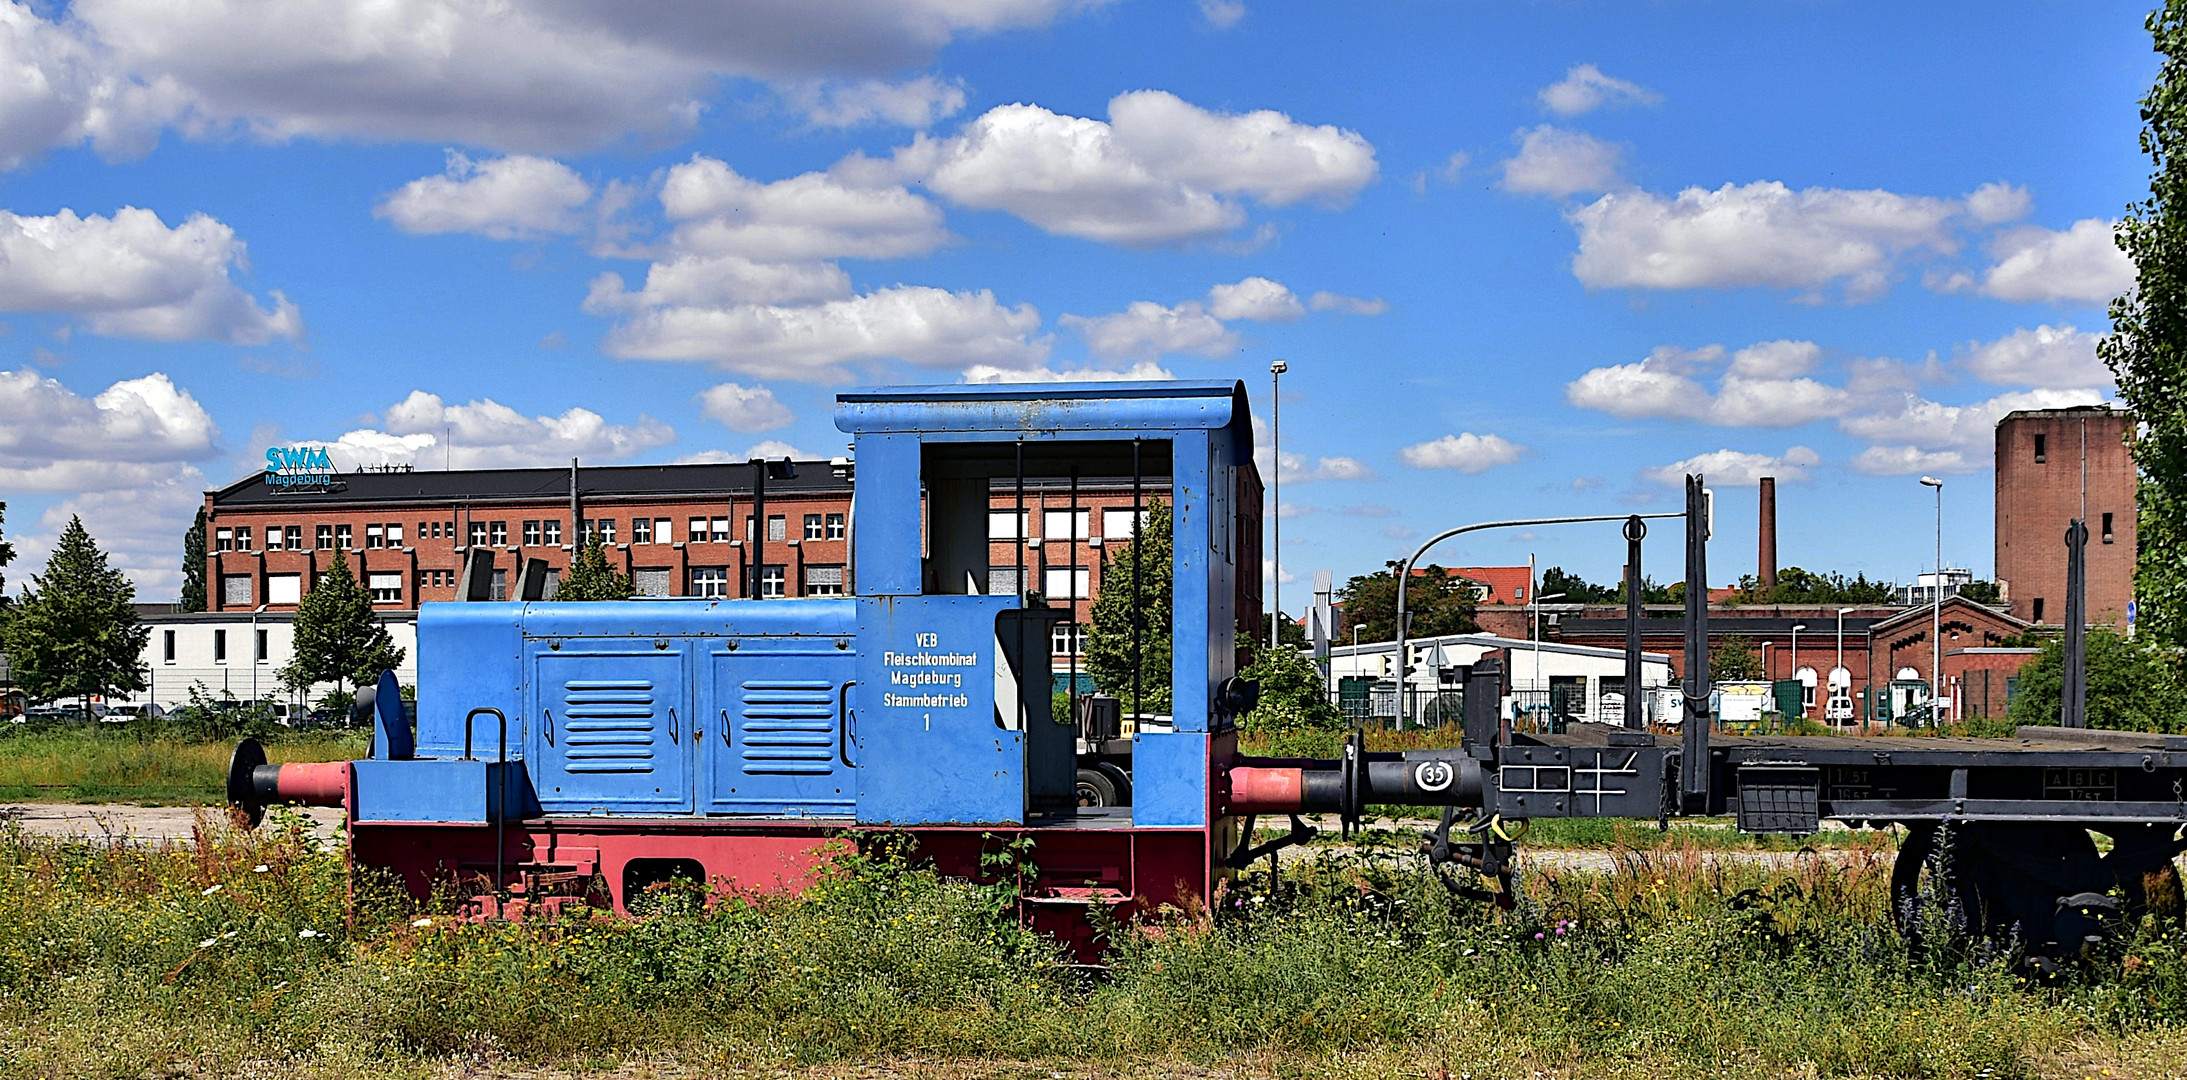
x: 500, y: 810
x: 470, y: 721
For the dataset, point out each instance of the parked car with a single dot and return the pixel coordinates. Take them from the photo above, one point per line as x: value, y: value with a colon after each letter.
x: 142, y: 710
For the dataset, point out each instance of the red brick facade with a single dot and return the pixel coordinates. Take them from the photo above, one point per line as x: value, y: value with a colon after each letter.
x: 2040, y: 470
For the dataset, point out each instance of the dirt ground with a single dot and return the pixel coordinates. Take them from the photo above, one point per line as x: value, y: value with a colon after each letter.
x: 141, y: 824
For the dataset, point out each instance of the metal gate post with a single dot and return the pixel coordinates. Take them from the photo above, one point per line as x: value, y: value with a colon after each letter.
x: 1694, y: 757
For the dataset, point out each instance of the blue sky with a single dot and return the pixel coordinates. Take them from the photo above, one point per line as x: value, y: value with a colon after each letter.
x: 1523, y: 259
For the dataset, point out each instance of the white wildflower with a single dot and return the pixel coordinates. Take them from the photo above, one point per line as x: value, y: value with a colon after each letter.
x: 209, y: 891
x: 423, y: 922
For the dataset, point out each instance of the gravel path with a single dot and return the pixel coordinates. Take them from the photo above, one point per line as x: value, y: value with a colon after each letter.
x: 139, y: 824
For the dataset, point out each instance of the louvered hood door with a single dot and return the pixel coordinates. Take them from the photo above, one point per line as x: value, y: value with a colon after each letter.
x: 776, y: 716
x: 611, y: 729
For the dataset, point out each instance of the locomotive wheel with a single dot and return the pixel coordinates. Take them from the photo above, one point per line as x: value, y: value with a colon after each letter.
x: 2041, y: 885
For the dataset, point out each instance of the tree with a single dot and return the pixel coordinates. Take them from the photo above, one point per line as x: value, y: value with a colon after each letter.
x: 1797, y: 586
x: 337, y: 638
x: 1109, y: 640
x: 1575, y: 589
x: 1982, y: 592
x: 590, y: 578
x: 2132, y: 685
x: 1292, y: 697
x: 1734, y: 657
x: 193, y: 565
x: 1438, y: 601
x: 2147, y: 351
x: 75, y: 632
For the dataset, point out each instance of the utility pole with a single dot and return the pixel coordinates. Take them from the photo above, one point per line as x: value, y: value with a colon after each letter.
x: 1936, y: 608
x: 1275, y: 555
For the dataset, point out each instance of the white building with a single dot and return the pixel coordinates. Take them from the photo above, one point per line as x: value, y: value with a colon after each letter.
x: 1576, y: 681
x: 240, y: 654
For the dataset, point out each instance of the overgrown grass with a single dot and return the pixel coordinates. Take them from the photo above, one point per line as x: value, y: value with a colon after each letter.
x: 235, y: 957
x: 133, y: 763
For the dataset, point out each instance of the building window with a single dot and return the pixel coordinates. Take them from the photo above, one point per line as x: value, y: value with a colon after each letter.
x: 607, y: 530
x: 499, y: 531
x: 478, y: 533
x: 259, y: 648
x: 696, y: 533
x: 394, y: 534
x: 721, y: 530
x: 425, y: 530
x: 1067, y: 639
x: 778, y: 528
x: 386, y: 588
x: 641, y: 530
x: 220, y: 646
x: 531, y: 533
x: 325, y: 537
x: 342, y: 536
x: 499, y: 590
x: 1056, y: 525
x: 375, y: 537
x: 2107, y: 528
x: 167, y: 645
x: 2038, y: 610
x: 273, y: 538
x: 554, y: 531
x: 823, y: 581
x: 1003, y: 524
x: 223, y: 539
x: 292, y: 536
x: 835, y: 526
x: 1065, y: 583
x: 449, y: 530
x: 813, y: 528
x: 235, y: 590
x: 2042, y: 449
x: 284, y: 588
x: 1002, y: 581
x: 243, y: 538
x: 663, y: 530
x: 709, y: 581
x: 650, y: 582
x: 771, y: 580
x: 1116, y: 524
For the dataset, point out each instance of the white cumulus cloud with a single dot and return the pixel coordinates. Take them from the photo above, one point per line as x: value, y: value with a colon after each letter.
x: 924, y: 326
x: 2046, y: 356
x: 1912, y: 461
x: 2081, y: 265
x: 918, y: 103
x: 1762, y: 234
x: 135, y: 432
x: 1347, y: 305
x: 745, y: 408
x: 1159, y: 171
x: 1146, y: 330
x: 1738, y: 468
x: 1466, y: 452
x: 1930, y: 425
x: 1255, y: 298
x: 1145, y: 371
x: 486, y: 434
x: 1553, y: 161
x: 1222, y: 14
x: 130, y: 275
x: 1585, y: 88
x: 507, y: 198
x: 811, y: 216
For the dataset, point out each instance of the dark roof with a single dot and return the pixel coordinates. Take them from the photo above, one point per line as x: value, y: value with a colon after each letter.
x: 1571, y: 627
x: 534, y: 485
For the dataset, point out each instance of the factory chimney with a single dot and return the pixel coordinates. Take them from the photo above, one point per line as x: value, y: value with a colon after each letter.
x: 1766, y: 567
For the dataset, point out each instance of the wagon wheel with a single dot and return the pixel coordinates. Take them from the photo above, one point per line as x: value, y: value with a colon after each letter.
x: 1924, y: 894
x: 2040, y: 885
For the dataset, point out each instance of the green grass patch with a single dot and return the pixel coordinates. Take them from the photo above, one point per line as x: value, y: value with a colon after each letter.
x: 129, y: 763
x: 240, y: 957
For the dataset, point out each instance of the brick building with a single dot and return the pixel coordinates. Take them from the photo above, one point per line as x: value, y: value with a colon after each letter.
x: 1882, y: 644
x: 2054, y: 465
x: 674, y: 528
x: 405, y: 534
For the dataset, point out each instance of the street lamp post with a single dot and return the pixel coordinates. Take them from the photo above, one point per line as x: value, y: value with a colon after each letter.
x: 1537, y: 617
x: 1275, y: 426
x: 1796, y: 628
x: 1936, y: 607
